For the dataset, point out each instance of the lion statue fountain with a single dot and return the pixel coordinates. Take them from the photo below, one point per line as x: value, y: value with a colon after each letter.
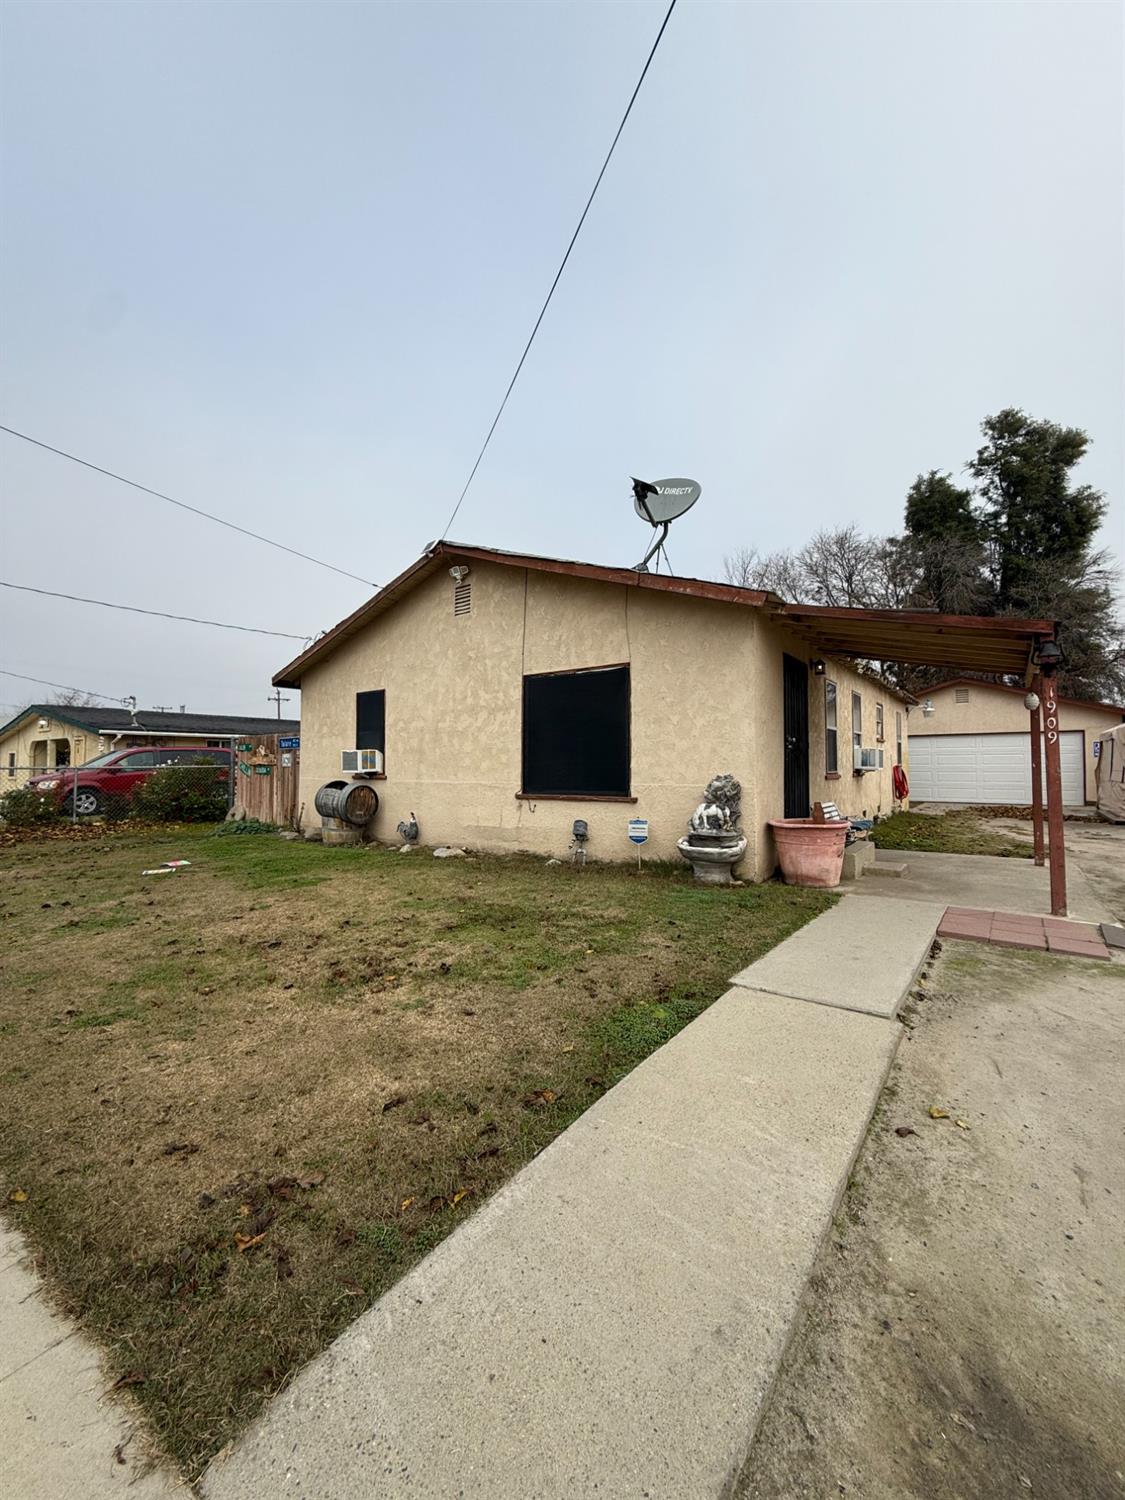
x: 715, y: 844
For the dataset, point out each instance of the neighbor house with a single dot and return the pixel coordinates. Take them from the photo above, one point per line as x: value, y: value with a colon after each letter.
x: 972, y: 743
x: 510, y: 695
x: 45, y: 735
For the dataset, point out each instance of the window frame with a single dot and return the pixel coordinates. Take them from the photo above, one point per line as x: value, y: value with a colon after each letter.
x: 370, y: 735
x: 578, y: 796
x: 898, y: 736
x: 857, y: 721
x: 831, y: 728
x: 880, y: 724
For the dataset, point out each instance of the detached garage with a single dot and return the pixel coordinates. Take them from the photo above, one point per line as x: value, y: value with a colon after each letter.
x: 973, y: 744
x: 986, y: 768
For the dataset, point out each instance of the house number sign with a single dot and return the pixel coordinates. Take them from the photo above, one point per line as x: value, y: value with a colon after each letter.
x: 1051, y: 722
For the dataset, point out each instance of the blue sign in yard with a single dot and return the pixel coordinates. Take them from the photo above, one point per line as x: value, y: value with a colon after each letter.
x: 289, y: 742
x: 638, y: 830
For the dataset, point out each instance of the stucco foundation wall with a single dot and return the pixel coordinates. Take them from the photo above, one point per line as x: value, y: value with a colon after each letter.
x: 454, y: 689
x: 994, y: 710
x: 869, y: 795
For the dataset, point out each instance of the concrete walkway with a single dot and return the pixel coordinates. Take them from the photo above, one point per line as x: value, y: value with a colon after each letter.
x: 610, y: 1323
x: 62, y: 1437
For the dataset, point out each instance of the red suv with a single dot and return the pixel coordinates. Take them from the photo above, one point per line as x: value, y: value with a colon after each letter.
x: 116, y: 776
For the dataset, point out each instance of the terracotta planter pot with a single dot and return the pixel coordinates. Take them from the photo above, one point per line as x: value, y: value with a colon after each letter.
x: 809, y: 853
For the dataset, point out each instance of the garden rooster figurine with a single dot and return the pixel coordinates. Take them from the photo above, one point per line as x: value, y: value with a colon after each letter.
x: 409, y: 830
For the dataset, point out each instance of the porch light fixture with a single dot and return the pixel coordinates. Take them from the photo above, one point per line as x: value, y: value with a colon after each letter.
x: 818, y: 667
x: 1031, y: 701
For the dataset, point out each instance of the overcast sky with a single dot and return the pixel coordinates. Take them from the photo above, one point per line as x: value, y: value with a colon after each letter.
x: 280, y: 260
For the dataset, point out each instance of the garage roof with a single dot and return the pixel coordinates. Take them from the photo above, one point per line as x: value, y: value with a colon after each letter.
x: 960, y: 642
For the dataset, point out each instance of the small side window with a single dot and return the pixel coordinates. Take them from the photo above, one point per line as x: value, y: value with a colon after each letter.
x: 878, y: 723
x: 831, y: 751
x: 857, y: 720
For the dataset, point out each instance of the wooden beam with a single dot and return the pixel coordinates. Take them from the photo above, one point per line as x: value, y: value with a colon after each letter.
x: 1056, y: 852
x: 1037, y: 771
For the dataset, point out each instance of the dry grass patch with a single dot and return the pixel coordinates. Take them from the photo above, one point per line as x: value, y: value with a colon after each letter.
x: 242, y: 1100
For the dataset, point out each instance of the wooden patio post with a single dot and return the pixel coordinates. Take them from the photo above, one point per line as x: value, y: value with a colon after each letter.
x: 1037, y: 771
x: 1055, y: 850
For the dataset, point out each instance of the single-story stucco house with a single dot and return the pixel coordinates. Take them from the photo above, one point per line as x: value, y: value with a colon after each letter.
x: 511, y: 694
x: 972, y: 743
x: 45, y: 735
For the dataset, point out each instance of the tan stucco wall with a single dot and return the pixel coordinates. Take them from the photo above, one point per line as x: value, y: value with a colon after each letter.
x: 867, y: 795
x: 23, y: 739
x: 706, y: 697
x: 991, y: 710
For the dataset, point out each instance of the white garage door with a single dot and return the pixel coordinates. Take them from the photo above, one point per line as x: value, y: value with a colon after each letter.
x: 988, y: 767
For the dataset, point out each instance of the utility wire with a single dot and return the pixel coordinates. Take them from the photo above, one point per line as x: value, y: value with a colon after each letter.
x: 62, y: 686
x: 562, y: 268
x: 206, y: 514
x: 135, y: 610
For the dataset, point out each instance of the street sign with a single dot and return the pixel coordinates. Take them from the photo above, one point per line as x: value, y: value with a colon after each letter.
x: 638, y: 830
x: 289, y: 742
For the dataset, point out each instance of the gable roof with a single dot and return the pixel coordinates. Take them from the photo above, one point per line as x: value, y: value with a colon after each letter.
x: 117, y: 720
x: 989, y: 644
x: 1003, y: 687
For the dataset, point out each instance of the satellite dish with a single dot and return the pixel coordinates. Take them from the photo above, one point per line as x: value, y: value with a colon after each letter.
x: 664, y: 499
x: 659, y: 503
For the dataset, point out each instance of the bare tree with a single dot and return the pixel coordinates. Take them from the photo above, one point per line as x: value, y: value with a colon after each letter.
x: 72, y: 698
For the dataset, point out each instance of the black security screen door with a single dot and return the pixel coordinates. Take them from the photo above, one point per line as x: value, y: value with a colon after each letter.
x: 576, y: 734
x: 796, y: 730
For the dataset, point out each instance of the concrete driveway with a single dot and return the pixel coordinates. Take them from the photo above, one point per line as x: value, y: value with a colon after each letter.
x: 1095, y: 875
x: 964, y: 1336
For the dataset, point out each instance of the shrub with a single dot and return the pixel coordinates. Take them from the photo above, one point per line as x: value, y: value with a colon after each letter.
x: 24, y: 808
x: 183, y: 794
x: 244, y: 825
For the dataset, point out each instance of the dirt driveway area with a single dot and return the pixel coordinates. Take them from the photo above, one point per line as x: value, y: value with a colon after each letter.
x: 1098, y: 849
x: 965, y: 1331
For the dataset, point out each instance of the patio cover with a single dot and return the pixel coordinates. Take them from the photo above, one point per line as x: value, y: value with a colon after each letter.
x: 973, y: 643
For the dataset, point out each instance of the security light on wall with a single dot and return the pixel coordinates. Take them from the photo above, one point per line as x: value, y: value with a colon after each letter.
x: 1031, y: 701
x: 927, y: 708
x: 459, y: 572
x: 818, y: 667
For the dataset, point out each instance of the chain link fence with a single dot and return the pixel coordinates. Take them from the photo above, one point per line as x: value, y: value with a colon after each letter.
x: 149, y: 784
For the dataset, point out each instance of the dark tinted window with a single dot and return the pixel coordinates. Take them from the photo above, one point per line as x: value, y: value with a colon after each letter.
x: 370, y: 720
x: 576, y: 733
x: 199, y: 757
x: 138, y: 760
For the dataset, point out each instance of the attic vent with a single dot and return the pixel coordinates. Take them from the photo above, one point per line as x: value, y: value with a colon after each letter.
x: 961, y: 695
x: 463, y: 598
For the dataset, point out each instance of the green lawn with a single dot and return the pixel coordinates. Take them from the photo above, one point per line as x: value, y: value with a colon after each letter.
x: 243, y: 1099
x: 945, y: 833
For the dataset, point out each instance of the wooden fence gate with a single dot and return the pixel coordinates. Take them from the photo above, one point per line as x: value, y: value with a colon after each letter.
x: 267, y: 772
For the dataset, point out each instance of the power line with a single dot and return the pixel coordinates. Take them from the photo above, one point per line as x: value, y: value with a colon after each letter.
x: 562, y: 267
x: 62, y: 686
x: 206, y: 514
x: 162, y: 614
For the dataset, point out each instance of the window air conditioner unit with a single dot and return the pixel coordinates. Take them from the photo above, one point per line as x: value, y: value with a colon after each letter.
x: 867, y: 760
x: 359, y: 762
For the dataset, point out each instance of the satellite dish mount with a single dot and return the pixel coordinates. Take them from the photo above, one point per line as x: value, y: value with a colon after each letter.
x: 660, y: 504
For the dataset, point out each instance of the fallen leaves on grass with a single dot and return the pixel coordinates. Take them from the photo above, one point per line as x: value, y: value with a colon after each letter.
x: 248, y: 1241
x: 131, y: 1377
x: 937, y: 1113
x: 405, y: 1204
x: 287, y: 1188
x: 393, y: 1103
x: 180, y: 1148
x: 17, y: 1195
x: 539, y: 1098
